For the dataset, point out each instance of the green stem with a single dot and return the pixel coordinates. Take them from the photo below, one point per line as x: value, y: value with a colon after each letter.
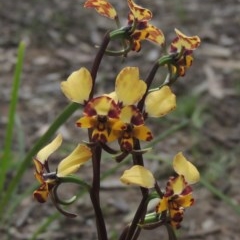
x: 74, y: 179
x: 11, y: 116
x: 171, y: 233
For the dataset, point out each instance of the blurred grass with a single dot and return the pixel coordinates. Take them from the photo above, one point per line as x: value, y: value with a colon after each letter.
x: 6, y: 160
x: 10, y: 160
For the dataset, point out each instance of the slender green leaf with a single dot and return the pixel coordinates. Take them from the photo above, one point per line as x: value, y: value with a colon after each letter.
x: 5, y: 162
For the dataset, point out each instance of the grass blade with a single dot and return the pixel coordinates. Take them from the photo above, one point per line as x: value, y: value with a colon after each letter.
x: 5, y: 162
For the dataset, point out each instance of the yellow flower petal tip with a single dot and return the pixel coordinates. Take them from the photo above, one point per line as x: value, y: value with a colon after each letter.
x: 129, y: 88
x: 160, y: 102
x: 45, y: 152
x: 138, y: 175
x: 78, y: 86
x: 72, y: 162
x: 185, y: 168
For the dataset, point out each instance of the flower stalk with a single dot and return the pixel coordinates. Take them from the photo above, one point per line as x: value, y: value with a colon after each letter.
x: 121, y: 116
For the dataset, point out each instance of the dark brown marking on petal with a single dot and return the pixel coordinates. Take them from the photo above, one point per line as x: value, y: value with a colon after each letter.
x: 187, y: 190
x: 78, y: 124
x: 126, y: 146
x: 149, y: 137
x: 89, y: 110
x: 137, y: 118
x: 142, y: 25
x: 38, y: 196
x: 103, y: 138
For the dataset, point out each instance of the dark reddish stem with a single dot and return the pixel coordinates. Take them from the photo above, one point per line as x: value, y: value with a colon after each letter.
x: 98, y: 60
x: 97, y: 151
x: 138, y: 216
x: 138, y: 160
x: 148, y: 81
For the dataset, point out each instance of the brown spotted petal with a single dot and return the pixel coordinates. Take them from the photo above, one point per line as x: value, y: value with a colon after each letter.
x: 103, y: 7
x: 188, y: 42
x: 41, y: 194
x: 102, y: 106
x: 131, y: 114
x: 139, y: 13
x: 155, y: 35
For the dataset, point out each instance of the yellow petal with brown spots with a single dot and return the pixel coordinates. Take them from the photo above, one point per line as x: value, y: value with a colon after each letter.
x: 139, y: 13
x: 189, y: 43
x: 103, y: 7
x: 155, y: 34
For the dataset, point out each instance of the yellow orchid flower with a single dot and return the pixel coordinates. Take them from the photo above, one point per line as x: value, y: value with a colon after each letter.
x: 68, y: 165
x: 100, y: 114
x: 183, y: 45
x: 138, y: 18
x: 131, y: 126
x: 178, y: 195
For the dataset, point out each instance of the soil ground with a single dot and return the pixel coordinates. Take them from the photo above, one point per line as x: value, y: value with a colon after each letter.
x: 60, y: 38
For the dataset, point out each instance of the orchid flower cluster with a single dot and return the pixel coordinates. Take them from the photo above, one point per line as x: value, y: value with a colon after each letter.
x: 121, y: 116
